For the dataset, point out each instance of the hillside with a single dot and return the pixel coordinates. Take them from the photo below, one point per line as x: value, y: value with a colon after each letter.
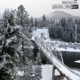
x: 57, y: 15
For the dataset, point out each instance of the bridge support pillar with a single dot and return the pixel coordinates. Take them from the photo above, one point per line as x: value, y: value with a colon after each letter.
x: 53, y: 72
x: 54, y: 77
x: 61, y: 77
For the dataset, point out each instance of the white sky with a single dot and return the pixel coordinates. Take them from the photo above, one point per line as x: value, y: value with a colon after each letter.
x: 36, y: 8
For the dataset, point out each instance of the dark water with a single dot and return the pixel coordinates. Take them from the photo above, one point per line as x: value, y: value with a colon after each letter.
x: 73, y: 65
x: 70, y: 57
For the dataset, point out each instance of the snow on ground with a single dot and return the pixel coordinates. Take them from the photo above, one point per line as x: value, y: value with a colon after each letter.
x: 46, y: 72
x: 60, y: 45
x: 68, y: 49
x: 40, y: 33
x: 64, y: 46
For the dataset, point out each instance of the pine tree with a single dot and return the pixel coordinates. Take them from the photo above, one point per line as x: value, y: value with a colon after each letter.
x: 44, y: 20
x: 22, y: 16
x: 31, y: 22
x: 36, y: 22
x: 12, y: 52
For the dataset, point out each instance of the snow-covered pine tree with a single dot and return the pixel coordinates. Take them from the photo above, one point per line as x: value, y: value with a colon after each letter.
x: 10, y: 47
x: 22, y: 16
x: 22, y: 19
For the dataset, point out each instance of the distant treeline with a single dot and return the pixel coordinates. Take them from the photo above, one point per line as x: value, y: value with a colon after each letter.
x: 66, y: 30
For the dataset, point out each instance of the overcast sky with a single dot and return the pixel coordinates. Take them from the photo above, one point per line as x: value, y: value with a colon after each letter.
x: 36, y: 8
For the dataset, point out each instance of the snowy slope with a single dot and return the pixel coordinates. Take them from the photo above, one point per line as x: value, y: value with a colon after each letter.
x: 57, y: 15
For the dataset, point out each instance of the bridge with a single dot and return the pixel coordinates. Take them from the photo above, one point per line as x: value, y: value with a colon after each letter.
x: 55, y: 58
